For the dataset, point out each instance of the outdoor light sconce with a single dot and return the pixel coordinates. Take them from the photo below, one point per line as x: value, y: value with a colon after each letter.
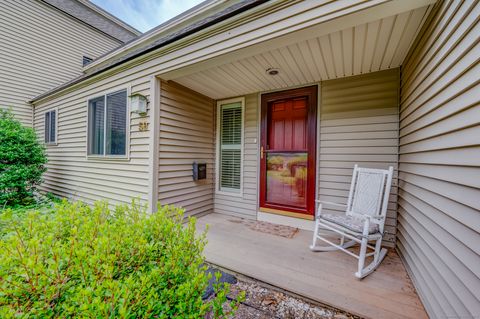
x: 138, y: 104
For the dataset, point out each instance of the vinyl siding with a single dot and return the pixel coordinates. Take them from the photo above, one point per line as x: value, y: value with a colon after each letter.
x: 186, y: 135
x: 439, y: 188
x: 41, y: 49
x: 70, y: 173
x: 246, y: 204
x: 359, y: 125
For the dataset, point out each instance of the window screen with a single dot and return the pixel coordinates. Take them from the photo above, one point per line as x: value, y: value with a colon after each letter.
x: 116, y: 123
x: 96, y: 126
x: 107, y: 124
x: 50, y: 127
x: 230, y: 147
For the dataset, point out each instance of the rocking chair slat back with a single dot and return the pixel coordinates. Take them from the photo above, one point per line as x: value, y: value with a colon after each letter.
x: 369, y: 191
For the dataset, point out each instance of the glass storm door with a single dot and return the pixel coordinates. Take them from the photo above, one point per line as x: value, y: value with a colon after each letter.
x: 287, y: 152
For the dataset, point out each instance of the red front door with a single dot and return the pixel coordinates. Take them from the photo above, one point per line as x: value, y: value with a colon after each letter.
x: 287, y: 154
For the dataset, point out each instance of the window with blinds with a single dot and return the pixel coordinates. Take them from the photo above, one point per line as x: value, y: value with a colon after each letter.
x: 51, y: 127
x: 107, y: 125
x: 230, y: 147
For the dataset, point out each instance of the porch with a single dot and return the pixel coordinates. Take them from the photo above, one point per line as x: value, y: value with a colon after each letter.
x: 327, y: 278
x: 350, y: 115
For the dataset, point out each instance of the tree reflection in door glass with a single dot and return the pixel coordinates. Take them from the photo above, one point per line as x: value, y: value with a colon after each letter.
x: 287, y: 179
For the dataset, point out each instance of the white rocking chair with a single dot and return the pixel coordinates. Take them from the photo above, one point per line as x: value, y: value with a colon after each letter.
x: 364, y: 218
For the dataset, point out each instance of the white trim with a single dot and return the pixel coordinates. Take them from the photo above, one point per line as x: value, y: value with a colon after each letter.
x: 234, y: 192
x: 153, y: 160
x: 317, y: 142
x: 125, y: 157
x: 55, y: 109
x: 259, y: 136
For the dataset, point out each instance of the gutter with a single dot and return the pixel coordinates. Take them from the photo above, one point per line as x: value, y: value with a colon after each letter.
x: 189, y: 30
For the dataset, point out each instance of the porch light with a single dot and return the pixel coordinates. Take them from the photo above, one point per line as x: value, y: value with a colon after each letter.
x: 138, y: 104
x: 272, y: 71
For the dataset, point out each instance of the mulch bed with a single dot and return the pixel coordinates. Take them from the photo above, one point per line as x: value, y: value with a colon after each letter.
x: 264, y: 302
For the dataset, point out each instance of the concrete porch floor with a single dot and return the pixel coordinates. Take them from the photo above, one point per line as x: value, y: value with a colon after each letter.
x: 325, y: 277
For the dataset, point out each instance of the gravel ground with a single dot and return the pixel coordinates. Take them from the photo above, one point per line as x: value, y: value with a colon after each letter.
x: 264, y: 302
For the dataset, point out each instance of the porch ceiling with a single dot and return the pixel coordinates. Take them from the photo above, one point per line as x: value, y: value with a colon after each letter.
x: 377, y: 45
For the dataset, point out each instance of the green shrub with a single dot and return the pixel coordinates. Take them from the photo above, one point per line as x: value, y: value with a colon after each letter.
x: 94, y: 262
x: 22, y: 161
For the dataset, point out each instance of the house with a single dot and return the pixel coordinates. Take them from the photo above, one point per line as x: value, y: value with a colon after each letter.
x: 280, y: 99
x: 45, y: 43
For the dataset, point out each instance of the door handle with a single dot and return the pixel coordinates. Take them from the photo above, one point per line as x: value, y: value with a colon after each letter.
x: 261, y: 152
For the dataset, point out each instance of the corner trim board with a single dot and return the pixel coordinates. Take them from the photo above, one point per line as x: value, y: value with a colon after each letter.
x: 153, y: 158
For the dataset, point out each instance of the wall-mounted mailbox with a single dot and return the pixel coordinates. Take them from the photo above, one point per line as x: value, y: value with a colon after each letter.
x: 199, y: 171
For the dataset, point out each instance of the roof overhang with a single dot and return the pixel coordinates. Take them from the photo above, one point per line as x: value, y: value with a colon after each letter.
x: 233, y: 34
x: 363, y: 42
x: 197, y: 12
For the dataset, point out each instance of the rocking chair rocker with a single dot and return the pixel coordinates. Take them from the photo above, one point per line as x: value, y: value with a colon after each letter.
x: 364, y: 218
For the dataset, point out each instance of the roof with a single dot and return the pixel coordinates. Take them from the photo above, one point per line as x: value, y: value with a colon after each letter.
x: 230, y: 11
x: 89, y: 13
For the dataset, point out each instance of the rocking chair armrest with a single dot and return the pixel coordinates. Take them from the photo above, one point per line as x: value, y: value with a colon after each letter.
x: 319, y: 210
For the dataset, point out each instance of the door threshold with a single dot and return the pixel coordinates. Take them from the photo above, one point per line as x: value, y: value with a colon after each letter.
x: 286, y: 213
x: 284, y: 220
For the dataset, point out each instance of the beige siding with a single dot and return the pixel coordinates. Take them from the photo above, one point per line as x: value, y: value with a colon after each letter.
x: 41, y: 49
x: 246, y: 204
x: 186, y: 135
x: 359, y: 125
x: 439, y: 188
x: 70, y: 173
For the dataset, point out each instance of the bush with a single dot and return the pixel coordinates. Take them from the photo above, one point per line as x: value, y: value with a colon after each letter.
x: 22, y: 161
x: 94, y: 262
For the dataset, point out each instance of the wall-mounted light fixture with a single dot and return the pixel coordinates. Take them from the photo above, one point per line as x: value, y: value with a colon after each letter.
x: 138, y: 103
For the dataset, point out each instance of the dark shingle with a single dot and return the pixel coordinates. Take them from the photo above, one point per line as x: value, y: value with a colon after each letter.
x: 97, y: 18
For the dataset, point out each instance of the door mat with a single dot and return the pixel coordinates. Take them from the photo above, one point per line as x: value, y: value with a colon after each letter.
x: 273, y: 229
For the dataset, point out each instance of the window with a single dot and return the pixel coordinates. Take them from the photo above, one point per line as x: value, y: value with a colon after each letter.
x: 230, y: 150
x: 86, y: 60
x: 107, y: 125
x: 51, y: 127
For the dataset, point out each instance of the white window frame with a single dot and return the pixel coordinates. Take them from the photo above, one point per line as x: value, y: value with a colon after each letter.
x: 127, y: 128
x: 218, y: 190
x: 56, y: 126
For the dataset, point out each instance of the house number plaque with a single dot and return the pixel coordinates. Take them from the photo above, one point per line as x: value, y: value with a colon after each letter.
x: 143, y: 126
